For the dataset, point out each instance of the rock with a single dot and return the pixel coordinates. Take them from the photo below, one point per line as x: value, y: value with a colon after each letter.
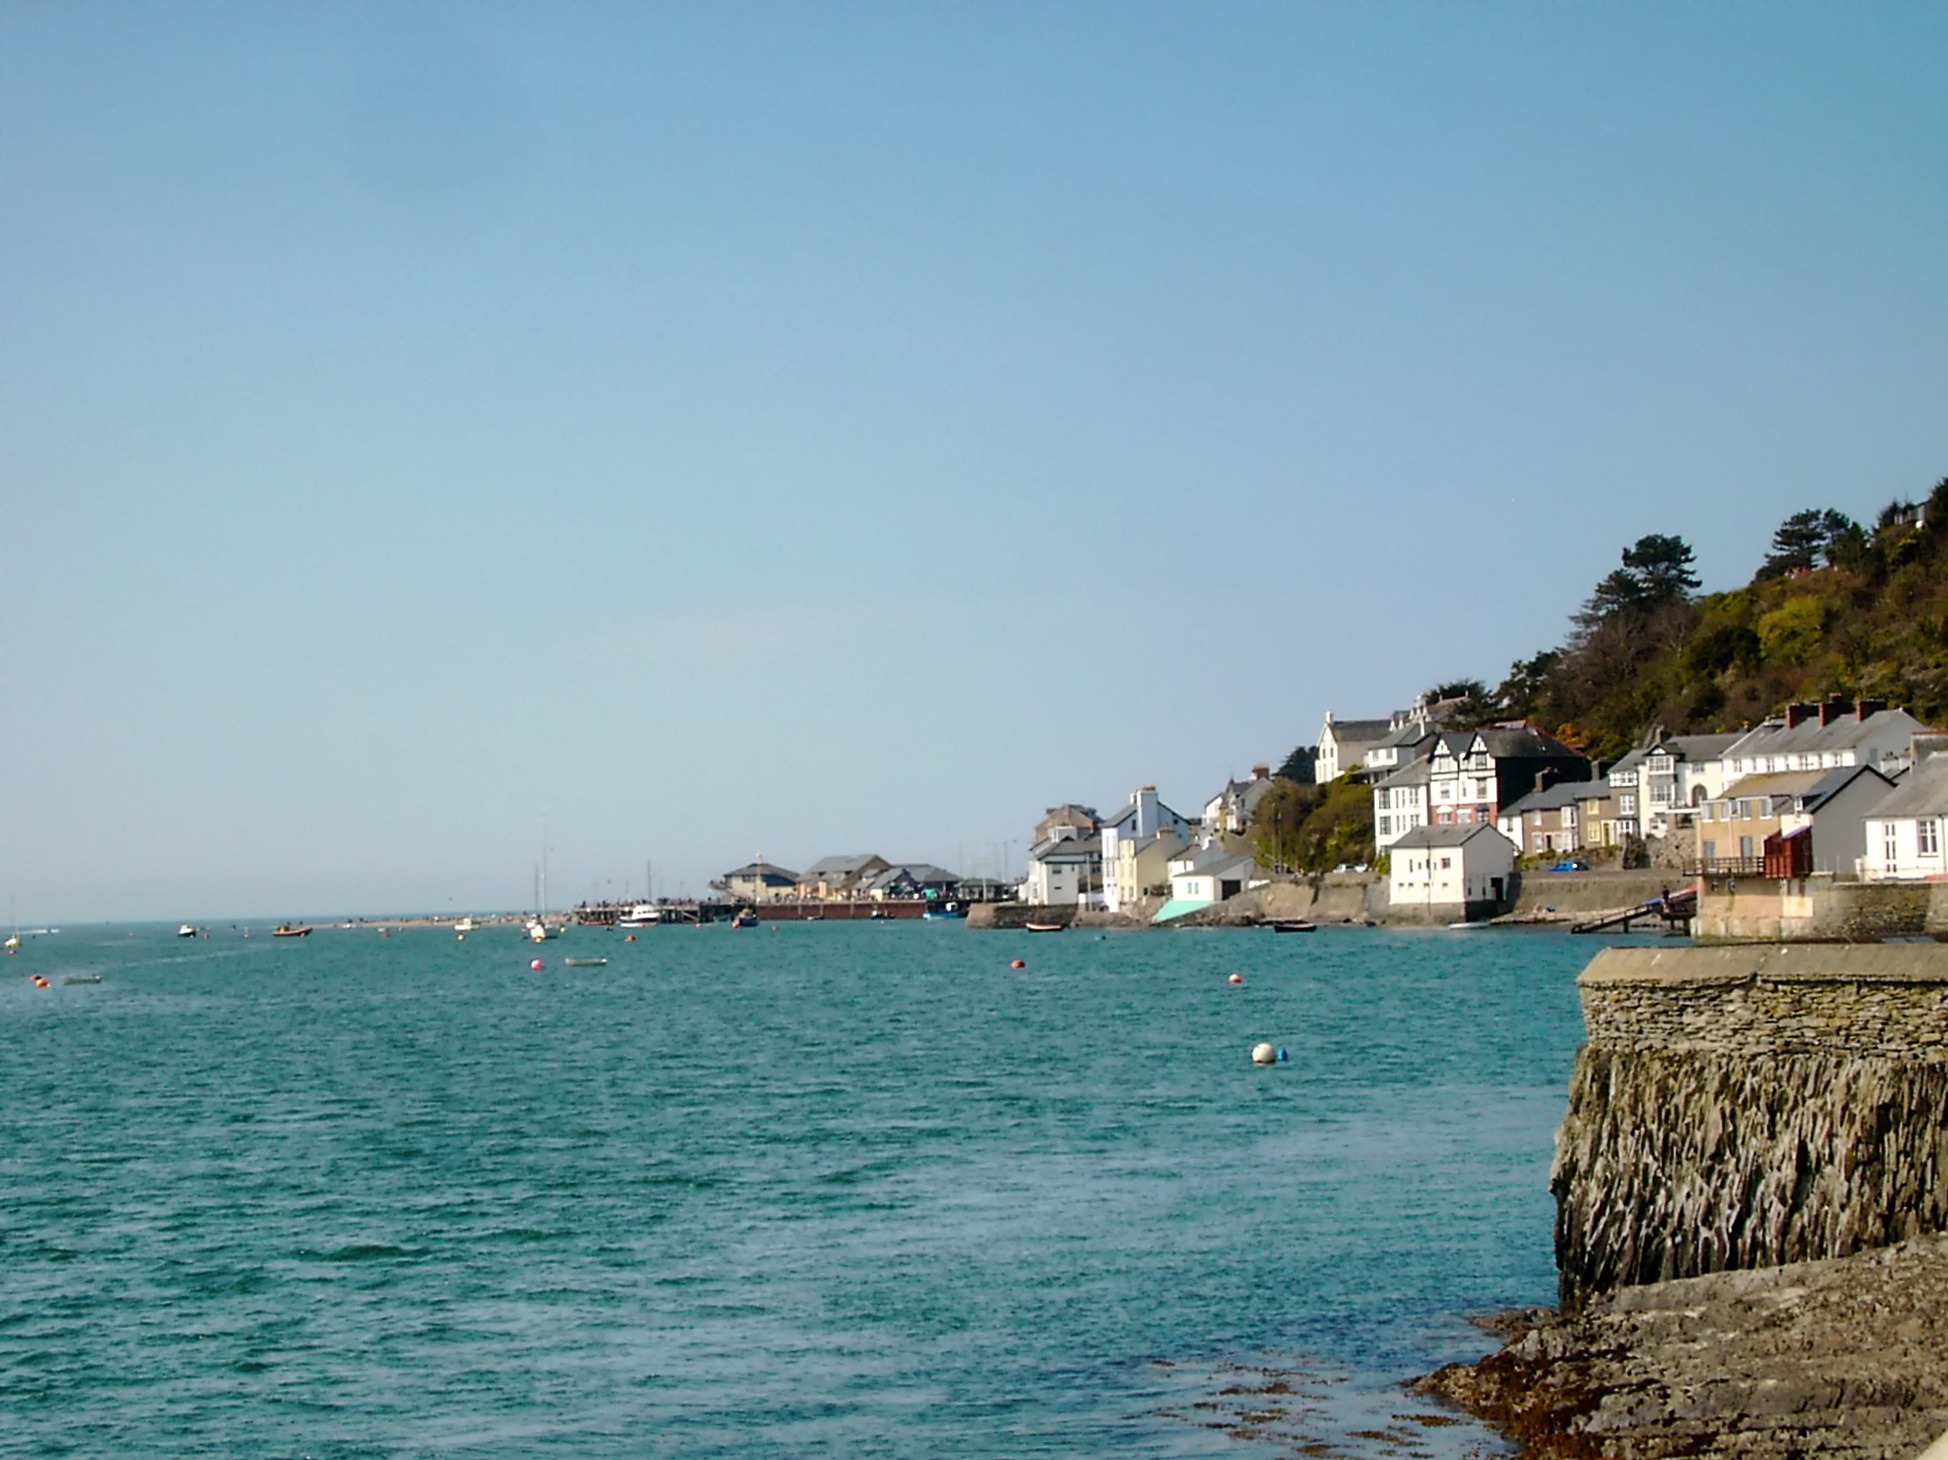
x: 1840, y: 1358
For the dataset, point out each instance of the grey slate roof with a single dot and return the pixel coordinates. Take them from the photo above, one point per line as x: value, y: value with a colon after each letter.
x: 1810, y: 737
x: 1923, y: 791
x: 838, y: 866
x: 763, y: 871
x: 1414, y: 773
x: 1445, y: 836
x: 1550, y: 798
x: 1699, y: 747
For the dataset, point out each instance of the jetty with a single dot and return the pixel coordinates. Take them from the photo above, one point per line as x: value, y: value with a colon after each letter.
x: 1674, y: 909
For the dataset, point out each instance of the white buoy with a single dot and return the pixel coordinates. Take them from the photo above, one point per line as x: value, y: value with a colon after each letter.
x: 1263, y: 1054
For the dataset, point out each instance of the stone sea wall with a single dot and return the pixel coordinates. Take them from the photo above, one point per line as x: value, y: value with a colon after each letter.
x: 1747, y: 1107
x: 1731, y: 908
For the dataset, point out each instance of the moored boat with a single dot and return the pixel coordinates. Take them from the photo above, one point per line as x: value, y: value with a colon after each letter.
x: 745, y: 918
x: 187, y: 930
x: 585, y: 963
x: 1293, y: 925
x: 291, y: 930
x: 1045, y: 927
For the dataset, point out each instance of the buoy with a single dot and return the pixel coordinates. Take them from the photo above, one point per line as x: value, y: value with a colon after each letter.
x: 536, y: 965
x: 1263, y: 1054
x: 1281, y: 1054
x: 39, y: 982
x: 459, y: 937
x: 1018, y: 963
x: 1237, y: 978
x: 630, y: 939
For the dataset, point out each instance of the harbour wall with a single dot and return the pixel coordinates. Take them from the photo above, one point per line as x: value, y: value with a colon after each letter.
x: 1732, y: 908
x: 1745, y: 1107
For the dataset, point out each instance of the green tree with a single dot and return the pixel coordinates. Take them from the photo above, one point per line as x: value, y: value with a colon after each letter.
x: 1661, y: 565
x: 1467, y: 704
x: 1803, y: 541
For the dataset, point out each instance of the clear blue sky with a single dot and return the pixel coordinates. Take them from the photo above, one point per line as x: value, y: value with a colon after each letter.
x: 823, y: 428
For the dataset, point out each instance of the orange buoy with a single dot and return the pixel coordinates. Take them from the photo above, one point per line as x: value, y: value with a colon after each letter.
x: 39, y: 982
x: 630, y: 939
x: 1237, y: 978
x: 536, y: 965
x: 1018, y: 963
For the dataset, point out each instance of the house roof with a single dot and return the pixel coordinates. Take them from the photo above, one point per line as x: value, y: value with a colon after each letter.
x: 1208, y: 862
x: 1130, y: 810
x: 1837, y: 780
x: 763, y: 871
x: 1506, y: 742
x: 1360, y: 732
x: 1549, y: 798
x: 1775, y: 737
x: 1923, y: 791
x: 1414, y: 773
x: 1631, y: 761
x: 840, y: 866
x: 1445, y: 836
x: 1067, y: 846
x: 1773, y: 783
x: 1697, y: 747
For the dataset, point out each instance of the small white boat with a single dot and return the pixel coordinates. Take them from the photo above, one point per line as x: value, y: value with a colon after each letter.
x: 465, y: 925
x: 541, y: 932
x: 1468, y: 927
x: 642, y: 915
x: 187, y: 930
x: 585, y: 963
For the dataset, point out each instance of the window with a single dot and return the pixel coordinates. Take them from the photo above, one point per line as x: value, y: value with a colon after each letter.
x: 1745, y: 848
x: 1711, y: 851
x: 1385, y: 827
x: 1627, y: 804
x: 1890, y: 847
x: 1446, y: 862
x: 1927, y: 837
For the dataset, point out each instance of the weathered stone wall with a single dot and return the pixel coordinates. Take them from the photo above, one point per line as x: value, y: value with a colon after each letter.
x: 1745, y: 1107
x: 1731, y: 908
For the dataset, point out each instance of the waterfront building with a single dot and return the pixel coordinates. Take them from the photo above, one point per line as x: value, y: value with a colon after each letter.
x: 1678, y: 775
x: 1450, y: 870
x: 1834, y: 732
x: 834, y: 877
x: 759, y: 881
x: 1137, y: 844
x: 1064, y: 870
x: 1905, y: 834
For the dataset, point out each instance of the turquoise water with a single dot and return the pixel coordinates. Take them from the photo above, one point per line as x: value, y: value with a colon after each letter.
x: 819, y: 1189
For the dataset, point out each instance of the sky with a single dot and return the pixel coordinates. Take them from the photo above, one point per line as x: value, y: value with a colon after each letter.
x: 670, y: 434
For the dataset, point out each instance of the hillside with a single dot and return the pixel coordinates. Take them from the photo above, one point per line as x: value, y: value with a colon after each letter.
x: 1837, y: 608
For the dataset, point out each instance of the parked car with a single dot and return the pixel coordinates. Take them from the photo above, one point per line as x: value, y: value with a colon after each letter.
x: 1574, y: 864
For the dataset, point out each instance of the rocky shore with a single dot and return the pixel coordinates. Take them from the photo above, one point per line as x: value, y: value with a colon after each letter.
x: 1844, y: 1357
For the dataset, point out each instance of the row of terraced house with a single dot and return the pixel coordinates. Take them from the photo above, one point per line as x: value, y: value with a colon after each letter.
x: 1842, y: 787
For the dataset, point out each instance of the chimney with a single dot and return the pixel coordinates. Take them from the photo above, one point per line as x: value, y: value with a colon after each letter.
x: 1869, y: 707
x: 1799, y: 714
x: 1833, y: 707
x: 1542, y: 776
x: 1261, y: 773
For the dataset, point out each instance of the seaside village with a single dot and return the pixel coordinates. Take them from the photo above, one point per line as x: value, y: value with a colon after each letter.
x: 1841, y: 791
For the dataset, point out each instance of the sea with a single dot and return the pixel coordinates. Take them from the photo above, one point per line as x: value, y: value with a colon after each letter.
x: 841, y: 1189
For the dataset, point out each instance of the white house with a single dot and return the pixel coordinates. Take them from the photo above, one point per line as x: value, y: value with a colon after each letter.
x: 1677, y: 776
x: 1399, y: 803
x: 1445, y: 868
x: 1137, y: 843
x: 1200, y: 876
x: 1230, y: 810
x: 1819, y: 737
x: 1906, y: 833
x: 1063, y: 869
x: 1343, y: 745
